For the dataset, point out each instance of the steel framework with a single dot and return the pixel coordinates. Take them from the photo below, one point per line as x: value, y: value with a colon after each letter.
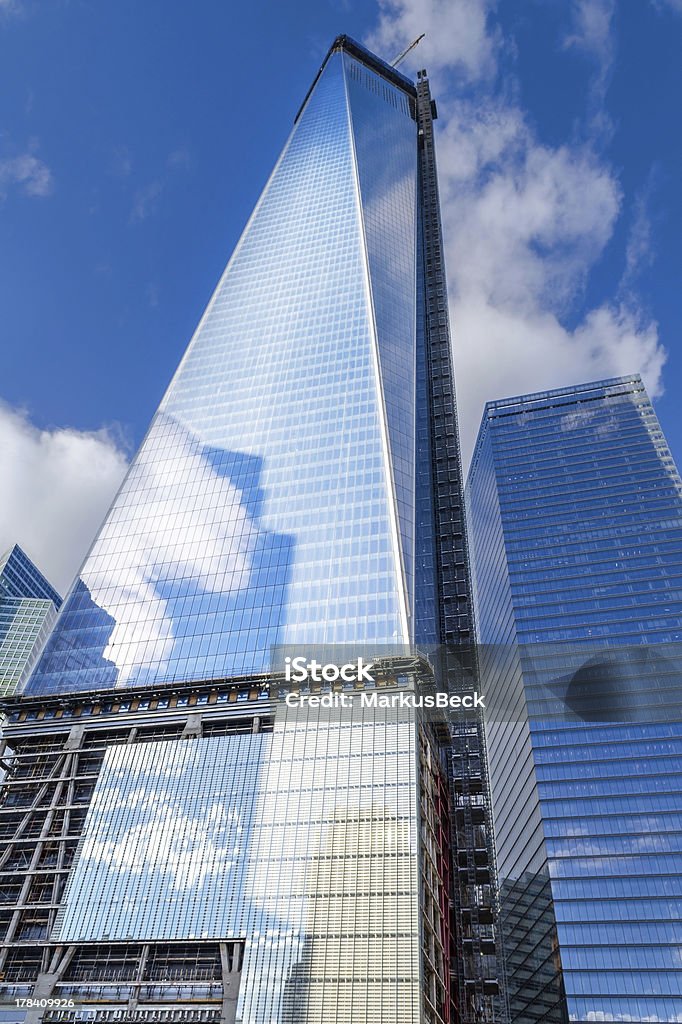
x: 51, y: 754
x: 477, y: 959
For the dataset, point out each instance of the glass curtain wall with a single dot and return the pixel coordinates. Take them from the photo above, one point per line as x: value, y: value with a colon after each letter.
x: 575, y: 507
x: 272, y: 500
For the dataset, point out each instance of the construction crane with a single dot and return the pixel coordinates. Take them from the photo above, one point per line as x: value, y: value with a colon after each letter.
x: 403, y: 55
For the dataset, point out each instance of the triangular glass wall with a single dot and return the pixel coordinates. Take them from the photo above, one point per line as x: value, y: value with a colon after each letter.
x: 271, y: 500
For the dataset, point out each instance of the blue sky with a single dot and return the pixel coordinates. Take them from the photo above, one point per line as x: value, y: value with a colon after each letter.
x: 134, y: 141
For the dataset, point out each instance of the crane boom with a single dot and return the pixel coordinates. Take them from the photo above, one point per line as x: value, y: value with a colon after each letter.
x: 401, y: 56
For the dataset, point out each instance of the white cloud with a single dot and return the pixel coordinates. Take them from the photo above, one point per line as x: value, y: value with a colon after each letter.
x: 146, y: 201
x: 57, y: 487
x: 639, y: 252
x: 591, y: 30
x: 189, y: 543
x: 457, y: 37
x: 670, y: 5
x: 524, y: 222
x: 500, y: 353
x: 31, y: 175
x: 592, y: 35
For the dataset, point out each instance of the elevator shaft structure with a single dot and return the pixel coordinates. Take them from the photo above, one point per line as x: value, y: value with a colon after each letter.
x: 477, y: 959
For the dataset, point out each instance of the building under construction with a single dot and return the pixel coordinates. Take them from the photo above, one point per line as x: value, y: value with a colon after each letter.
x: 57, y: 754
x: 178, y: 844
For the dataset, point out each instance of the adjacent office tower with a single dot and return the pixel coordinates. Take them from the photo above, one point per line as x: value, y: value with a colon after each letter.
x: 28, y: 608
x: 576, y: 540
x: 196, y: 849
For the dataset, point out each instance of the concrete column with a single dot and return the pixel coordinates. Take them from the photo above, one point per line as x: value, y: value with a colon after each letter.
x: 192, y: 728
x: 47, y: 980
x: 230, y: 959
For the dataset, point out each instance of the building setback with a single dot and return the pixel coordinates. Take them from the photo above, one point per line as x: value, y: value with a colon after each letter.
x: 575, y: 507
x: 197, y: 849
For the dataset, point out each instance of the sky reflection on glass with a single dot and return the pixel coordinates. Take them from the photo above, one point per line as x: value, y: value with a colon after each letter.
x: 303, y: 841
x: 576, y: 513
x: 272, y: 500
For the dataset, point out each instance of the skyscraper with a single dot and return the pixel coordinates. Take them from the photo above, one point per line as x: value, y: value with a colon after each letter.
x: 199, y: 848
x: 28, y: 608
x: 576, y: 537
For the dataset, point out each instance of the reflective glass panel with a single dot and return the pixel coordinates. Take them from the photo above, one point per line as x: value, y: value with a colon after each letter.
x: 576, y: 515
x: 302, y: 841
x: 272, y: 499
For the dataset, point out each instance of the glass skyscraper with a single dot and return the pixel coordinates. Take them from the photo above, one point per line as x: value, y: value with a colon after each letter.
x: 575, y: 507
x: 28, y: 608
x: 197, y: 849
x: 272, y: 500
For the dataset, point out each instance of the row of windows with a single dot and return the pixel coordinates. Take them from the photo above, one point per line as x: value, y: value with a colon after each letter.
x: 171, y: 848
x: 230, y: 464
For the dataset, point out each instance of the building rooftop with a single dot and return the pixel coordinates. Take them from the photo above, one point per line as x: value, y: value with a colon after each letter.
x: 20, y: 577
x: 364, y: 56
x: 574, y: 392
x: 537, y: 400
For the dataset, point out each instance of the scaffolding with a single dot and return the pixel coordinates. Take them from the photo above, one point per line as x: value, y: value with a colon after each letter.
x: 476, y: 959
x: 50, y: 756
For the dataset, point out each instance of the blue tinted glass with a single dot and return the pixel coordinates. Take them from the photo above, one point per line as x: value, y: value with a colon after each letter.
x: 261, y: 507
x: 576, y: 514
x: 311, y: 858
x: 384, y: 135
x: 19, y: 577
x: 28, y: 606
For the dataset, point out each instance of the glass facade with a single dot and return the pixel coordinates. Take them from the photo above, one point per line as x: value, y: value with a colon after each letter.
x: 28, y: 608
x: 303, y: 840
x: 272, y: 500
x: 575, y: 510
x: 274, y: 503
